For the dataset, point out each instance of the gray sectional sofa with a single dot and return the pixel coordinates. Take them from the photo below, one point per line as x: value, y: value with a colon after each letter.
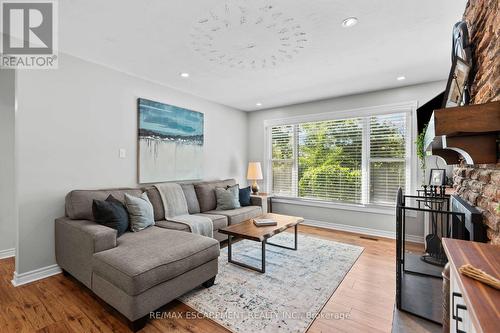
x: 140, y: 271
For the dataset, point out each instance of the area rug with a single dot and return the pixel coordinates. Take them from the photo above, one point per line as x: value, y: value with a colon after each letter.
x: 287, y: 298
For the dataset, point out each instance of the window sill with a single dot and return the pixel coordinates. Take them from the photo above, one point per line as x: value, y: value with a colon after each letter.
x: 375, y: 209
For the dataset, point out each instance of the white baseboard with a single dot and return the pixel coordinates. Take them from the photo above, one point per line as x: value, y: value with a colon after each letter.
x: 415, y: 239
x: 7, y: 253
x: 34, y: 275
x: 361, y: 230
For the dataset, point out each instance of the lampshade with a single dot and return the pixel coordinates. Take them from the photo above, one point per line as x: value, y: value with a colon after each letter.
x: 254, y: 171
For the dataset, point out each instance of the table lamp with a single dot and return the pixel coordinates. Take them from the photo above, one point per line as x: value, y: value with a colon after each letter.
x: 254, y: 173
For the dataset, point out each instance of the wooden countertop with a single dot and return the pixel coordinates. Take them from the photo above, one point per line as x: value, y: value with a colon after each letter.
x: 483, y: 301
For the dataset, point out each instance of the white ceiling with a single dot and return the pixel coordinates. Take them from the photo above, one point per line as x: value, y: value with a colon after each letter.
x: 276, y: 52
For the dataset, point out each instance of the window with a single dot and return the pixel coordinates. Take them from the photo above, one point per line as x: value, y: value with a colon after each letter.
x: 387, y: 157
x: 283, y: 159
x: 360, y: 160
x: 329, y: 160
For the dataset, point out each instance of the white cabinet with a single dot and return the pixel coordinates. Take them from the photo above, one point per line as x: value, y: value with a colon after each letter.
x: 460, y: 321
x: 473, y: 305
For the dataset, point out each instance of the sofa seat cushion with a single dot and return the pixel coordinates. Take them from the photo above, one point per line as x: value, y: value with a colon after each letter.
x: 239, y: 215
x: 218, y: 221
x: 172, y: 225
x: 145, y: 259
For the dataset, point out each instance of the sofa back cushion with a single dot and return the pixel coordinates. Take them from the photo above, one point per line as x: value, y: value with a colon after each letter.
x: 79, y: 202
x: 157, y: 202
x: 191, y: 199
x: 205, y: 192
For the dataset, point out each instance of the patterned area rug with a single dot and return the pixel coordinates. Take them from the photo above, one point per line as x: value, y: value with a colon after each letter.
x: 286, y: 298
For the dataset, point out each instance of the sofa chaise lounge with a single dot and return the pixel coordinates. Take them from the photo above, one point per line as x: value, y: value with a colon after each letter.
x: 139, y: 272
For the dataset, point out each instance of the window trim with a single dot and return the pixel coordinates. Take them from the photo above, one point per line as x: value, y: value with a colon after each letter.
x: 367, y: 208
x: 408, y: 108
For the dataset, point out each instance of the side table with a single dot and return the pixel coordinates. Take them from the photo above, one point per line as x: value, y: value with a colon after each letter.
x: 268, y: 197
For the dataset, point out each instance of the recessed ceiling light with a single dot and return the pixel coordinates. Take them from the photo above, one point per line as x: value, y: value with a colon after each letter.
x: 184, y: 74
x: 258, y: 104
x: 401, y: 78
x: 349, y: 22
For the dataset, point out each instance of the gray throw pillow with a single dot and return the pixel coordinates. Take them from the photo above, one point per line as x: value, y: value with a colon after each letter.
x: 140, y: 211
x: 227, y: 198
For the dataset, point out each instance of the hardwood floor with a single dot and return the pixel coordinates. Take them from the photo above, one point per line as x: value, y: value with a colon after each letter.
x: 62, y: 304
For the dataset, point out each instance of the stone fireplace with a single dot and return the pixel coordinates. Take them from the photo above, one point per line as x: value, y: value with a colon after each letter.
x: 480, y: 184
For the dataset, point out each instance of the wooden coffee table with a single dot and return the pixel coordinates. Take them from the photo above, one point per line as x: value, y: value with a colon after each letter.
x: 250, y: 231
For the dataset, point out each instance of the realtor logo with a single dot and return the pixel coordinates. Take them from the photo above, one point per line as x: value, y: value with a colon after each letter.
x: 28, y: 34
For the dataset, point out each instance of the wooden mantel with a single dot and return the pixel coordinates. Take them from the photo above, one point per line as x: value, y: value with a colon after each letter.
x: 468, y: 131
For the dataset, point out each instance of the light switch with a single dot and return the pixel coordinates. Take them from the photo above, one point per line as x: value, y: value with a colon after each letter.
x: 123, y: 153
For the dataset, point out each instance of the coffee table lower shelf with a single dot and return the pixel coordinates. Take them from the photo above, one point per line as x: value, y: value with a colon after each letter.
x: 262, y: 269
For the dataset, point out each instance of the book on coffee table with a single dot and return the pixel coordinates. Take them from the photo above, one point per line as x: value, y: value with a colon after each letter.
x: 264, y: 222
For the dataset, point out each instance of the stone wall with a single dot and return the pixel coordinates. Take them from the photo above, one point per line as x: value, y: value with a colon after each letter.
x: 480, y: 184
x: 483, y: 22
x: 481, y: 187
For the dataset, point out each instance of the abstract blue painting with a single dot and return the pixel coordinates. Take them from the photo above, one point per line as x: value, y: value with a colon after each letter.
x: 170, y: 142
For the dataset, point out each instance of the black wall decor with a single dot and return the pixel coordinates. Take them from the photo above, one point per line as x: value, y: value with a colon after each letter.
x: 456, y: 93
x: 461, y: 63
x: 461, y: 46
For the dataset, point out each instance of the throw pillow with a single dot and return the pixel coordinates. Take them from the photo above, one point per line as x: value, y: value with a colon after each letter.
x: 111, y: 213
x: 227, y: 198
x: 245, y: 196
x: 235, y: 191
x: 140, y: 211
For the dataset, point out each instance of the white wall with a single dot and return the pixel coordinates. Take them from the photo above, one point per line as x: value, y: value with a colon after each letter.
x: 256, y: 145
x: 71, y: 123
x: 7, y: 115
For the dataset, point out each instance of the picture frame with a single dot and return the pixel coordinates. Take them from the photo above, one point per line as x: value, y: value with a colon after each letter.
x: 456, y: 94
x: 170, y: 142
x: 437, y: 177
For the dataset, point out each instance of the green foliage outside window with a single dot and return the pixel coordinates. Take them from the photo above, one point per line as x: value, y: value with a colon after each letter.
x: 330, y: 160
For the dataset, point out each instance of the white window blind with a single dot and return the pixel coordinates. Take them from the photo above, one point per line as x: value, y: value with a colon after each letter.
x: 330, y: 160
x: 283, y: 159
x: 387, y: 157
x: 359, y: 160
